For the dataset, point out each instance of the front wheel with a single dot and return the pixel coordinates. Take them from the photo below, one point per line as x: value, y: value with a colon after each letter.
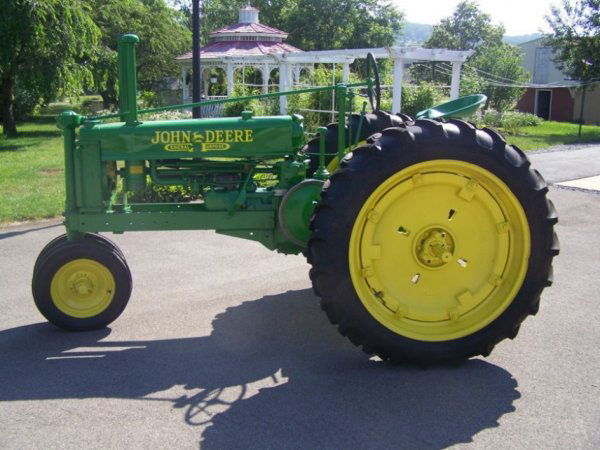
x: 80, y: 285
x: 432, y: 244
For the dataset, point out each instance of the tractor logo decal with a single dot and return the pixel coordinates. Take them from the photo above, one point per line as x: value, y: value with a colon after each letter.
x: 179, y: 147
x: 215, y: 146
x: 208, y: 140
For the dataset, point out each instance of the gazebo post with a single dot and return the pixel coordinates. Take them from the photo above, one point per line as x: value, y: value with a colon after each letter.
x: 266, y: 74
x: 345, y: 72
x: 397, y: 89
x: 185, y: 90
x: 205, y: 81
x: 284, y: 73
x: 455, y: 83
x: 229, y: 75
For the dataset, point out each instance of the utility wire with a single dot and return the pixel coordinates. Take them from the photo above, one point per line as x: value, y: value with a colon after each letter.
x: 500, y: 81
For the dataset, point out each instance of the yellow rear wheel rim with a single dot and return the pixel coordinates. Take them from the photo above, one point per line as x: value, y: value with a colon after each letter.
x: 439, y: 250
x: 82, y: 288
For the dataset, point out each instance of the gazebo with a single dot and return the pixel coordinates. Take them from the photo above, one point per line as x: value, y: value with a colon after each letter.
x: 248, y: 43
x: 252, y: 44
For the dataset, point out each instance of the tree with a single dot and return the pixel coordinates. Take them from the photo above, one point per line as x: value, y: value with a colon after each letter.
x: 497, y: 73
x: 163, y: 36
x: 330, y: 24
x: 47, y: 49
x: 312, y: 24
x: 494, y: 69
x: 468, y: 28
x: 576, y: 38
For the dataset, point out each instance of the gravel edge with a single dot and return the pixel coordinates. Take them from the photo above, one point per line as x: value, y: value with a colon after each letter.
x: 564, y: 148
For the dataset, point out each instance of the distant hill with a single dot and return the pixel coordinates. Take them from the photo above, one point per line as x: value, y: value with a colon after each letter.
x: 516, y: 40
x: 417, y: 33
x: 414, y: 33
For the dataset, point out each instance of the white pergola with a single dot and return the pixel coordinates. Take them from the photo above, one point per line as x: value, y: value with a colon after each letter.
x: 290, y: 64
x: 252, y: 44
x: 401, y: 56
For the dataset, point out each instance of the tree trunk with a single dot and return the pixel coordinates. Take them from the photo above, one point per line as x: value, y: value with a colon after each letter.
x: 8, y: 115
x: 109, y: 98
x: 105, y: 100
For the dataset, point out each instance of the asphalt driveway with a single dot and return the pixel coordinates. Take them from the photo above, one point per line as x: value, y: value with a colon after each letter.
x: 223, y: 345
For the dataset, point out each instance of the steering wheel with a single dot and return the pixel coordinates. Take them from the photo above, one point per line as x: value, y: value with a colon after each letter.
x: 372, y: 65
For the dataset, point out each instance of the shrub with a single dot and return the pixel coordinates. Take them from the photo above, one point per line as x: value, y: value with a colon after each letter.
x: 490, y: 118
x: 423, y: 96
x: 509, y: 121
x: 148, y: 99
x: 414, y: 98
x: 155, y: 193
x: 234, y: 109
x: 168, y: 115
x: 524, y: 119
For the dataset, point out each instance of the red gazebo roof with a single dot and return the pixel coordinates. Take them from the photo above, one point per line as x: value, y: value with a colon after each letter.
x: 247, y: 38
x: 249, y: 29
x: 215, y: 50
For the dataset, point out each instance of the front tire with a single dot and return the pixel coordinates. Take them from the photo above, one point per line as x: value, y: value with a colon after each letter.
x: 433, y: 243
x: 83, y: 284
x: 58, y: 240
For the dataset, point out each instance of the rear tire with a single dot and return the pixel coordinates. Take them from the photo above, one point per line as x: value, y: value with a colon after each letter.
x: 398, y: 276
x: 372, y: 123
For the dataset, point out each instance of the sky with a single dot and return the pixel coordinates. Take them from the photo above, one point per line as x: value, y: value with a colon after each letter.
x: 517, y: 16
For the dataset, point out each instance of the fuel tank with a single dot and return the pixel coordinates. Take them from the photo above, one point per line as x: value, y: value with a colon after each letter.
x: 245, y: 137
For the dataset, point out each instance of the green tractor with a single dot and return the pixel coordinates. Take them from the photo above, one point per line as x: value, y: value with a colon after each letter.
x: 430, y: 240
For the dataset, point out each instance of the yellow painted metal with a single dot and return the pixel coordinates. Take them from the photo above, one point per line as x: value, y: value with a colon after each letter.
x: 335, y: 162
x: 82, y: 288
x: 439, y: 250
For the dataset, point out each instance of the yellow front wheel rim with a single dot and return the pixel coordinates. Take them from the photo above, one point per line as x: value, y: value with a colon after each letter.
x: 439, y: 250
x: 82, y: 288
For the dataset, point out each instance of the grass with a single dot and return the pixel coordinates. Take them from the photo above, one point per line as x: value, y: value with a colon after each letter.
x: 32, y: 182
x: 553, y: 133
x: 32, y: 174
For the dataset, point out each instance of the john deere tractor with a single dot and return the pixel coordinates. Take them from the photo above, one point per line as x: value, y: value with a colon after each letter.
x: 430, y: 240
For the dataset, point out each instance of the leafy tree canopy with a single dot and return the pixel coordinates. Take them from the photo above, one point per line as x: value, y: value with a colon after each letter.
x: 312, y: 24
x: 494, y: 69
x: 163, y: 35
x: 576, y: 37
x: 330, y: 24
x: 468, y: 28
x: 494, y: 72
x: 46, y: 49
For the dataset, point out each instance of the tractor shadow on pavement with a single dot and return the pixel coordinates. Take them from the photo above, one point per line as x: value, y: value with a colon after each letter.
x: 273, y: 373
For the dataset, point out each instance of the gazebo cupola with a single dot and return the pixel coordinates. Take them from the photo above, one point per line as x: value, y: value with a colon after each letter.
x: 249, y: 28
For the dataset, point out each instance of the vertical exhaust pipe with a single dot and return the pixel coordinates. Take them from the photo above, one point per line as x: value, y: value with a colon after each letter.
x: 128, y: 79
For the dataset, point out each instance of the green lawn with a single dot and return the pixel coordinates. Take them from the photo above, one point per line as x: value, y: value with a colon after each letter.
x: 31, y: 166
x: 32, y: 175
x: 553, y: 133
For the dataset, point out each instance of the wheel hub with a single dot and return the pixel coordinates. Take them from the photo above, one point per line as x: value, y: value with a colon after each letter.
x: 442, y: 271
x: 82, y: 288
x: 81, y: 284
x: 434, y: 247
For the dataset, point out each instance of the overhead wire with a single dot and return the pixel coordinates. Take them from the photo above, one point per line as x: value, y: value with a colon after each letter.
x: 499, y: 81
